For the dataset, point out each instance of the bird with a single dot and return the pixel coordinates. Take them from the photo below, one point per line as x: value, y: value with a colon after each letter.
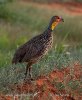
x: 37, y: 47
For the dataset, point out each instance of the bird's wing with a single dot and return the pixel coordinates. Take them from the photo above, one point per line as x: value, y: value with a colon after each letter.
x: 33, y: 51
x: 29, y: 50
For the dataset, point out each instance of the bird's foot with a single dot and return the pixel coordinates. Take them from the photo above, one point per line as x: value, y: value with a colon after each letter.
x: 29, y: 78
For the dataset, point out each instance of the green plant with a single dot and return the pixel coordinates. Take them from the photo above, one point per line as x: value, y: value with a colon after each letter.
x: 5, y: 1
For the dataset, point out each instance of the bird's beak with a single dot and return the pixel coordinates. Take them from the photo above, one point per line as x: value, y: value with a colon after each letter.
x: 61, y: 19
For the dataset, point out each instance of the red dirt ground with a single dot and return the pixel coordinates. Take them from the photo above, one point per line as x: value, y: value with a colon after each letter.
x: 44, y: 87
x: 71, y: 8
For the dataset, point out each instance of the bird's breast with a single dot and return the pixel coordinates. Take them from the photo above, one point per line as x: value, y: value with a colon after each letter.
x: 48, y: 44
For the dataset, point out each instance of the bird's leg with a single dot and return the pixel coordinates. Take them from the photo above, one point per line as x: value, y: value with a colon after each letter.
x: 30, y: 72
x: 26, y: 71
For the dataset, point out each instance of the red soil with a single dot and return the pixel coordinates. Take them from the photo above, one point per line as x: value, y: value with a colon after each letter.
x: 71, y: 8
x: 44, y: 87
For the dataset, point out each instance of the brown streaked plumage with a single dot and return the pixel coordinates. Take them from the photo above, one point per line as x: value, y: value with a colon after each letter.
x: 37, y: 47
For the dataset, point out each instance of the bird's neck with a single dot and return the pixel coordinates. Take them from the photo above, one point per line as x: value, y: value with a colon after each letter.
x: 49, y: 29
x: 48, y: 32
x: 52, y: 25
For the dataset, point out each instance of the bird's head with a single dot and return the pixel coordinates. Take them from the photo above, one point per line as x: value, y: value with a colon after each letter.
x: 55, y: 20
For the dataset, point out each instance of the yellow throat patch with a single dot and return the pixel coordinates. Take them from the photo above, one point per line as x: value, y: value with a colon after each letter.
x: 54, y: 24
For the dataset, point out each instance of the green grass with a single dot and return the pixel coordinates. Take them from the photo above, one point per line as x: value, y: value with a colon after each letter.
x: 19, y: 23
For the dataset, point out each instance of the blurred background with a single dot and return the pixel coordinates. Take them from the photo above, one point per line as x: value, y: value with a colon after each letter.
x: 20, y: 20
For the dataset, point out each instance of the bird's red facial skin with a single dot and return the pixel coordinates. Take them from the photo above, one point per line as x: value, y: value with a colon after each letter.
x: 58, y: 20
